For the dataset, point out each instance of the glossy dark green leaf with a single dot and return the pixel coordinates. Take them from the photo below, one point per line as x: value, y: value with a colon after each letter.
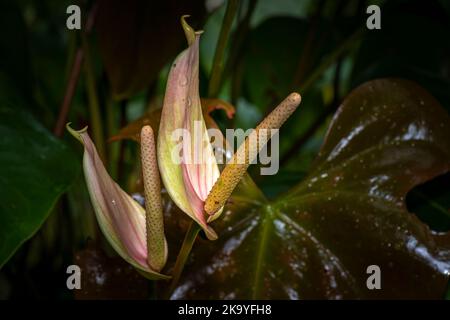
x: 35, y: 168
x: 318, y: 240
x: 137, y: 38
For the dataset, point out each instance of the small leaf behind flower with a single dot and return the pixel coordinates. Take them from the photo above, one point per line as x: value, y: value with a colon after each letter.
x: 152, y: 118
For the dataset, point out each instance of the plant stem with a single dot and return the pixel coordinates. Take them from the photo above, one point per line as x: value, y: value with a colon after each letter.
x: 434, y: 204
x: 242, y: 30
x: 94, y: 107
x: 330, y: 60
x: 218, y: 63
x: 120, y: 170
x: 69, y: 93
x: 73, y: 77
x: 183, y: 255
x: 319, y: 120
x: 309, y: 45
x: 234, y: 66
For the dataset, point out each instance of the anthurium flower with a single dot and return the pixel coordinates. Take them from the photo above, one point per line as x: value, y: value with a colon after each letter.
x: 246, y: 153
x: 121, y: 219
x: 189, y: 182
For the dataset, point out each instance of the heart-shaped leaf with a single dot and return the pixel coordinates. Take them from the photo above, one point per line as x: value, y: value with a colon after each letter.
x: 349, y: 213
x: 35, y: 169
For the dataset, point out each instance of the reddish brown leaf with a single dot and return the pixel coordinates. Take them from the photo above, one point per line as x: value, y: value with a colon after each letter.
x: 137, y: 38
x: 349, y: 213
x: 133, y: 129
x: 104, y: 277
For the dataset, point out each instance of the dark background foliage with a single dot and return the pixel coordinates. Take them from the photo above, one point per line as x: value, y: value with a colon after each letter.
x: 319, y: 48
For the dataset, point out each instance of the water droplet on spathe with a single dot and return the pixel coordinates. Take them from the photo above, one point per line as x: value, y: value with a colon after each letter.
x: 183, y: 81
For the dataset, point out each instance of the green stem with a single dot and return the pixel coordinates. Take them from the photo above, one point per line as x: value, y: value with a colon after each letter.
x: 234, y: 66
x: 330, y: 59
x: 218, y: 62
x: 310, y: 44
x: 74, y: 73
x: 239, y: 37
x: 295, y: 147
x: 94, y: 108
x: 432, y: 203
x: 183, y: 255
x: 111, y: 129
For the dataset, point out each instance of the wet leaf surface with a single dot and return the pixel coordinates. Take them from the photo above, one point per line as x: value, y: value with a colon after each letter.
x: 104, y: 277
x: 348, y: 213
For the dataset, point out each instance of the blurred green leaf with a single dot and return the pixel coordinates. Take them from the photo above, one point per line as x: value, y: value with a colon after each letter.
x: 266, y: 9
x: 14, y: 53
x: 271, y: 57
x: 412, y: 44
x: 208, y: 44
x: 270, y: 65
x: 431, y: 203
x: 349, y: 212
x: 35, y: 169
